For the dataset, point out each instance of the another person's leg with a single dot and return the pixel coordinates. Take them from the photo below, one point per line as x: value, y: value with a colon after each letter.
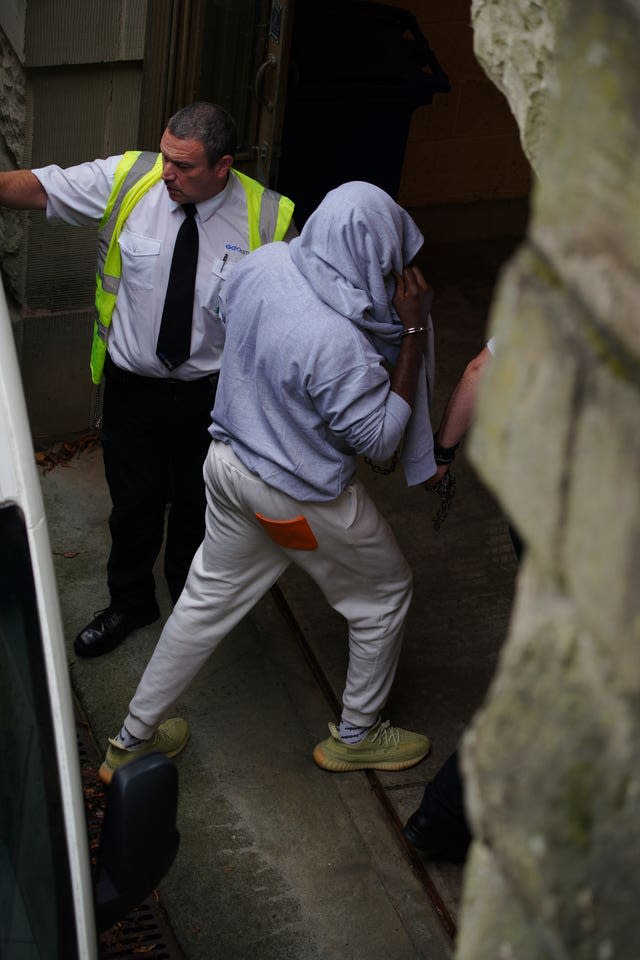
x: 439, y: 826
x: 193, y: 403
x: 135, y: 460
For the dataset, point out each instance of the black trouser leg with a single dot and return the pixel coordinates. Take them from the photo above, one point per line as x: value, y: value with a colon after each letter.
x: 439, y: 825
x: 155, y: 439
x: 185, y: 524
x: 518, y: 545
x: 135, y: 460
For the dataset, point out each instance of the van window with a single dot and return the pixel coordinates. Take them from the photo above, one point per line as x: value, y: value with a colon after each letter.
x: 36, y: 905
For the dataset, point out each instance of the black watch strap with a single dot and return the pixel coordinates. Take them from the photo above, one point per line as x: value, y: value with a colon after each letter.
x: 443, y: 454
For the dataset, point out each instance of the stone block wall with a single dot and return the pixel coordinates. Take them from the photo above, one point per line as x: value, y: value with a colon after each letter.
x: 71, y: 94
x: 552, y: 759
x: 12, y: 143
x: 515, y: 43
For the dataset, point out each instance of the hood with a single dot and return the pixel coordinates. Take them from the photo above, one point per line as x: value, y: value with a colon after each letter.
x: 348, y: 250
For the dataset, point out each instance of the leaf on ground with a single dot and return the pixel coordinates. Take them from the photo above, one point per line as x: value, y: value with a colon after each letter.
x: 60, y: 454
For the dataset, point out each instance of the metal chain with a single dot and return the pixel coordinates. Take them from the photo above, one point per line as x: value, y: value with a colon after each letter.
x: 446, y: 490
x: 96, y: 411
x: 384, y: 468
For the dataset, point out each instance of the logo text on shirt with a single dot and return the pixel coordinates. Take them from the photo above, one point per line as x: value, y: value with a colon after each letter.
x: 235, y: 248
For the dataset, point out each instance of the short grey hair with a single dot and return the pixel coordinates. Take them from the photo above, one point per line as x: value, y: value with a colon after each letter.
x: 210, y: 124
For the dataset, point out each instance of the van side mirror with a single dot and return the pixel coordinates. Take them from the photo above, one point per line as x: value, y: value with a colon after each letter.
x: 139, y: 838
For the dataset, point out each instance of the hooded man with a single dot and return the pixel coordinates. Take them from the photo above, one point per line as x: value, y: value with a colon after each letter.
x: 311, y: 329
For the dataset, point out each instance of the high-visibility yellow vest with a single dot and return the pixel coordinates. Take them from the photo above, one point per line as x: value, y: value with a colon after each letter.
x: 268, y: 213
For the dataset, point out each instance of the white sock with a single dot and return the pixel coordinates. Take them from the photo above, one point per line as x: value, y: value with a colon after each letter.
x: 350, y: 733
x: 128, y: 741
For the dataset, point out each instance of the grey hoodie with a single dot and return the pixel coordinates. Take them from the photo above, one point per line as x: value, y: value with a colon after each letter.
x: 309, y: 325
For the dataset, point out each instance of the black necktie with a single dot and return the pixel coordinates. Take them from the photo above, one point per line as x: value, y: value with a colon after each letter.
x: 174, y: 339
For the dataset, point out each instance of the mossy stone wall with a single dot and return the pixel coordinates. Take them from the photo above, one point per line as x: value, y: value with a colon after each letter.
x: 552, y: 761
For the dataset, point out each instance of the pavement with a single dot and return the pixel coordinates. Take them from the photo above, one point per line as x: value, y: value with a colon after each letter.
x: 278, y: 858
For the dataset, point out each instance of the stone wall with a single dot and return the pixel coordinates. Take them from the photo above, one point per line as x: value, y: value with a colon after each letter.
x: 12, y: 142
x: 515, y: 44
x: 552, y: 759
x: 73, y: 96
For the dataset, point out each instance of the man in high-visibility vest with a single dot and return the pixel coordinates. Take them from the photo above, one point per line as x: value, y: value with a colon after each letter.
x: 172, y: 226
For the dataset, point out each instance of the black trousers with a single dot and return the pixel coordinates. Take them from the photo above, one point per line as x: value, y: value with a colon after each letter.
x: 443, y: 807
x: 445, y: 826
x: 154, y: 439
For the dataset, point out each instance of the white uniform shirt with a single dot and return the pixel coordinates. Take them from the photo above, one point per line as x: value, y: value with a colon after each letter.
x: 78, y: 195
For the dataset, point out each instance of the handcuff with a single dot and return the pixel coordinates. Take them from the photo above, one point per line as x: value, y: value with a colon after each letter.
x: 445, y: 489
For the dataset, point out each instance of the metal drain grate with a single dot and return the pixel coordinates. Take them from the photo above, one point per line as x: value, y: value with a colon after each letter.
x: 140, y: 935
x: 145, y: 932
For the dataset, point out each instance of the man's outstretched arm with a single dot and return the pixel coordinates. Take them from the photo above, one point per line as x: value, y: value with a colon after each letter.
x: 21, y: 190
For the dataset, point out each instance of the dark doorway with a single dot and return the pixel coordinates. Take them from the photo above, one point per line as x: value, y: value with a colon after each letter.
x: 357, y: 72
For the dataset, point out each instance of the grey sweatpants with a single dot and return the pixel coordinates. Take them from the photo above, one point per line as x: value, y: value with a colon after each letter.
x: 357, y: 564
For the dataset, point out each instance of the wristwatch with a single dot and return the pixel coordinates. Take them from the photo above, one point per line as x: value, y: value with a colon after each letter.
x: 444, y: 454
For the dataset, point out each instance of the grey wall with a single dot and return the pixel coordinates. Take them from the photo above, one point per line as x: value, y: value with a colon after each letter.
x: 81, y: 75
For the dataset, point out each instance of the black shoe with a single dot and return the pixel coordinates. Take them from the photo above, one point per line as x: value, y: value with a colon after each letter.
x: 110, y: 627
x: 445, y: 839
x: 439, y: 826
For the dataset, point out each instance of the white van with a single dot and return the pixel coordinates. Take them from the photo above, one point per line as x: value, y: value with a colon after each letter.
x: 52, y: 903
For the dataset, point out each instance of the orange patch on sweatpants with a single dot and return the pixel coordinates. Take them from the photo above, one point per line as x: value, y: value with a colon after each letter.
x: 295, y: 534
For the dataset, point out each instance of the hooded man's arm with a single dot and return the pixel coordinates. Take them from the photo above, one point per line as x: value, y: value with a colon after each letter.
x: 412, y: 299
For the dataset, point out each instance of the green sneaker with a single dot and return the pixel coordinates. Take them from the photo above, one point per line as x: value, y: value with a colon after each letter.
x: 170, y: 738
x: 384, y: 748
